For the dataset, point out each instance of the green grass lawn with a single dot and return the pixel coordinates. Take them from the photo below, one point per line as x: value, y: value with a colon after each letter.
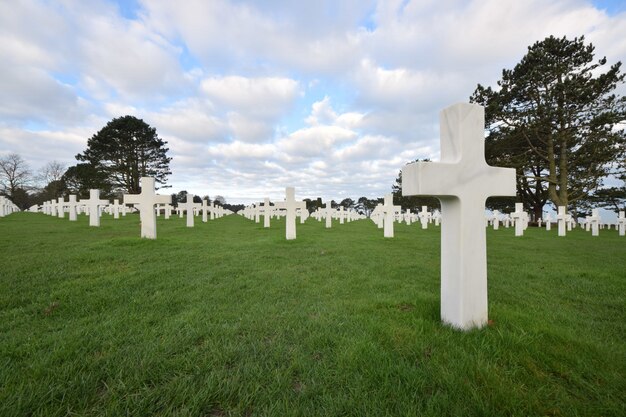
x: 230, y: 319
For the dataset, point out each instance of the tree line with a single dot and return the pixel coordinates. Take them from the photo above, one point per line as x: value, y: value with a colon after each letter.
x: 555, y: 117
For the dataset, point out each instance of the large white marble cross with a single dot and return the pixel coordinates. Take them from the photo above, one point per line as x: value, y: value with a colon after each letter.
x: 291, y: 205
x: 93, y: 206
x: 462, y: 181
x: 390, y: 212
x: 146, y: 201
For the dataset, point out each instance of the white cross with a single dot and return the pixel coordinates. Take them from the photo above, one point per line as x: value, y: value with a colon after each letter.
x: 561, y: 218
x: 328, y: 213
x: 72, y: 207
x: 267, y: 212
x: 53, y: 207
x: 424, y: 216
x: 291, y: 205
x: 188, y: 206
x: 390, y: 211
x: 94, y: 204
x: 147, y: 200
x: 621, y: 223
x: 61, y: 207
x: 595, y: 222
x: 205, y: 210
x: 548, y: 220
x: 496, y: 220
x: 518, y: 218
x: 116, y: 208
x: 462, y: 181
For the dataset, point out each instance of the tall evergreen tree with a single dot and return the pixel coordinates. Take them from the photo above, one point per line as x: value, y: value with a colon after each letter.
x: 553, y: 119
x: 125, y: 150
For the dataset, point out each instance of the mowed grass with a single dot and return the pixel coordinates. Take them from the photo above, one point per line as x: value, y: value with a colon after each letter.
x: 230, y: 319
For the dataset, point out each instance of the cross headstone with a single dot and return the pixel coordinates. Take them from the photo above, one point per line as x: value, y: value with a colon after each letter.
x: 188, y: 206
x: 462, y: 181
x: 205, y: 210
x: 518, y: 218
x: 424, y: 216
x: 621, y: 223
x: 53, y: 207
x: 61, y: 207
x: 496, y: 220
x: 94, y: 205
x: 72, y: 207
x: 267, y: 212
x: 291, y: 205
x: 146, y: 201
x: 328, y: 213
x: 548, y: 220
x: 389, y: 211
x: 595, y: 222
x: 116, y: 208
x: 561, y: 218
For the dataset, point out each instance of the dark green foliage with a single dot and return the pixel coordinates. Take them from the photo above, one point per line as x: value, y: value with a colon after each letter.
x: 230, y: 319
x: 81, y: 178
x: 125, y: 150
x: 552, y: 118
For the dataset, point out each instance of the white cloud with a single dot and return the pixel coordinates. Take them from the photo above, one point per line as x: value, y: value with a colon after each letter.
x: 332, y: 97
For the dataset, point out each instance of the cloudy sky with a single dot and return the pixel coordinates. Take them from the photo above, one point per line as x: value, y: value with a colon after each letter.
x: 332, y: 97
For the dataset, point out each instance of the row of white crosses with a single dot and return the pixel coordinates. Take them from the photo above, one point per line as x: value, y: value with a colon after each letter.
x: 7, y: 206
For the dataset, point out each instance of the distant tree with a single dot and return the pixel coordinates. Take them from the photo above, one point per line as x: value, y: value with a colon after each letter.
x: 127, y: 149
x: 81, y: 178
x: 365, y: 205
x: 21, y: 198
x: 554, y: 119
x: 219, y: 200
x: 14, y: 174
x: 347, y: 203
x: 179, y: 198
x: 51, y: 172
x: 197, y: 199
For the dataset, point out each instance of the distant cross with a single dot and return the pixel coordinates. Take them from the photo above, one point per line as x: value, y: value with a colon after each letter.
x: 94, y: 204
x: 407, y: 217
x: 424, y: 216
x: 188, y: 206
x: 341, y: 215
x: 462, y: 181
x: 518, y: 218
x: 548, y: 220
x: 61, y: 207
x: 53, y: 207
x: 291, y: 205
x: 328, y: 214
x: 116, y: 208
x: 621, y: 223
x: 595, y: 222
x: 390, y: 212
x: 496, y: 220
x: 72, y: 207
x: 561, y: 218
x: 205, y: 211
x: 146, y: 201
x: 267, y: 212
